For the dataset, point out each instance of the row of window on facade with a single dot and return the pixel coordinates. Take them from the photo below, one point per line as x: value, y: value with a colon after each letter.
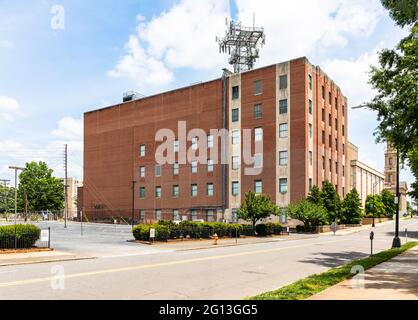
x: 210, y: 189
x: 175, y: 215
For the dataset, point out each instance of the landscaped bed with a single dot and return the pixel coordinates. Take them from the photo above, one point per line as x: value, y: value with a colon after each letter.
x: 315, y: 284
x: 21, y: 236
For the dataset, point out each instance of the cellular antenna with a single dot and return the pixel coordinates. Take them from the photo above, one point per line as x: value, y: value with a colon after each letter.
x: 242, y: 44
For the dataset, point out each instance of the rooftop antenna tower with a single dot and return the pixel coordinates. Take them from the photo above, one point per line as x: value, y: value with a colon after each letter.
x: 242, y: 44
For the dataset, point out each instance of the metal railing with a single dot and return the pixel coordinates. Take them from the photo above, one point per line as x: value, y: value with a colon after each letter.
x: 16, y: 240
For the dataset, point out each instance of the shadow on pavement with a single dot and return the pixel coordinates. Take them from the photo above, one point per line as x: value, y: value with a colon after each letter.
x: 335, y: 259
x: 413, y: 235
x: 400, y: 282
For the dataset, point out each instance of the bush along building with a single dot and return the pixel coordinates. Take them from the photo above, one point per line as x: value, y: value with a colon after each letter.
x: 277, y: 130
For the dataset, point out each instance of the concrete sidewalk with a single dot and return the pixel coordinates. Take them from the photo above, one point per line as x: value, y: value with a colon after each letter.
x: 396, y: 279
x: 37, y: 257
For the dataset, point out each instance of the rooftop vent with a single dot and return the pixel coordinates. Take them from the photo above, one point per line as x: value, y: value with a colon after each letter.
x: 131, y: 96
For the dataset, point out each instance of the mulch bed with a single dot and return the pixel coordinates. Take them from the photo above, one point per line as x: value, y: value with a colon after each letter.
x: 31, y: 250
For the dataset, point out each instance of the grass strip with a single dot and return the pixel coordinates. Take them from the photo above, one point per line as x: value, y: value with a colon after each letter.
x: 314, y: 284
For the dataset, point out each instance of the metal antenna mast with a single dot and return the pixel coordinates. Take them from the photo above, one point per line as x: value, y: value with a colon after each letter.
x: 242, y: 44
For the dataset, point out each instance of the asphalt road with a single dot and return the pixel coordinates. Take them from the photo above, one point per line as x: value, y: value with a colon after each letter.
x: 131, y: 271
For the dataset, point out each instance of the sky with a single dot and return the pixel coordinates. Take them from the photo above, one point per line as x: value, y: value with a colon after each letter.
x: 59, y: 59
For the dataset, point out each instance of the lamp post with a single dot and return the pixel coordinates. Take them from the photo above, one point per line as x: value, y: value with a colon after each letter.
x: 396, y: 241
x: 373, y: 191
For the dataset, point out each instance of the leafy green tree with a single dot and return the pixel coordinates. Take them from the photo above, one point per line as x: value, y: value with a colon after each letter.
x: 396, y: 82
x: 41, y: 189
x: 413, y: 164
x: 7, y: 199
x: 388, y: 199
x: 312, y: 215
x: 315, y: 196
x: 375, y: 207
x: 256, y: 207
x: 351, y: 208
x: 331, y: 202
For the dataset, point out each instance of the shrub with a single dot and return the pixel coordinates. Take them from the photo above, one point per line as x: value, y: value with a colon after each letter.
x: 26, y: 236
x: 142, y: 232
x: 262, y: 230
x: 274, y: 228
x: 248, y: 230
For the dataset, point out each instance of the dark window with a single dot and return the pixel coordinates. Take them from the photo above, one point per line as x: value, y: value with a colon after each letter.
x: 310, y: 184
x: 336, y: 124
x: 310, y: 82
x: 258, y: 87
x: 330, y: 141
x: 283, y: 106
x: 329, y: 97
x: 336, y: 144
x: 323, y: 92
x: 330, y: 165
x: 343, y: 110
x: 323, y: 162
x: 310, y: 107
x: 336, y: 167
x: 336, y: 103
x: 329, y: 120
x: 235, y: 115
x: 235, y: 93
x: 142, y: 192
x: 323, y: 115
x: 343, y: 149
x: 258, y: 111
x: 283, y: 82
x: 323, y: 137
x: 343, y: 130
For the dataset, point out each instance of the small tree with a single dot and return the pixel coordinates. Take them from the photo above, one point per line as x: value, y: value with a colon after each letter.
x: 310, y: 214
x: 388, y: 199
x: 375, y: 207
x: 315, y: 196
x: 256, y: 207
x: 331, y: 202
x: 351, y: 208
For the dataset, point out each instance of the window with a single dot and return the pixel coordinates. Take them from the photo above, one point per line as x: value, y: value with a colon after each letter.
x: 323, y: 163
x: 210, y: 190
x: 310, y: 158
x: 343, y: 171
x: 323, y: 92
x: 176, y: 191
x: 336, y: 103
x: 310, y: 184
x: 310, y: 82
x: 158, y: 170
x: 283, y: 186
x: 235, y: 93
x: 234, y: 215
x: 310, y: 130
x: 283, y: 130
x: 258, y: 187
x: 158, y: 215
x: 194, y: 190
x: 235, y: 188
x: 343, y: 130
x: 336, y: 124
x: 158, y: 192
x: 283, y: 82
x: 142, y: 151
x: 330, y: 165
x: 235, y: 162
x: 258, y: 161
x: 336, y: 144
x: 336, y: 167
x: 330, y: 141
x: 310, y: 107
x: 258, y: 132
x: 258, y: 87
x: 194, y: 215
x: 283, y: 106
x: 343, y: 149
x: 211, y: 142
x: 343, y: 110
x: 176, y: 169
x: 329, y: 97
x: 142, y: 172
x: 323, y: 137
x: 330, y: 120
x: 235, y: 115
x: 176, y: 146
x: 210, y: 165
x: 194, y: 143
x: 235, y: 137
x: 194, y: 167
x: 142, y: 215
x: 176, y: 215
x: 210, y: 216
x: 142, y: 193
x: 323, y: 115
x: 258, y: 111
x: 283, y: 158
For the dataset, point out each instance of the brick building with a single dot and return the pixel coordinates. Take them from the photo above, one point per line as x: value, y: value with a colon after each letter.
x: 296, y: 112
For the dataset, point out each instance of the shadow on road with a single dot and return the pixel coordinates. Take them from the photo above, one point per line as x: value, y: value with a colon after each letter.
x: 413, y: 235
x: 334, y: 259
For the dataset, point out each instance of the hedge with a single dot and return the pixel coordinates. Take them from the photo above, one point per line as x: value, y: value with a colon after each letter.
x: 202, y: 230
x: 24, y: 236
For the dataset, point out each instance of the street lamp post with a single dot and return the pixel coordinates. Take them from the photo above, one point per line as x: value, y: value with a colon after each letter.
x: 374, y: 208
x: 396, y: 241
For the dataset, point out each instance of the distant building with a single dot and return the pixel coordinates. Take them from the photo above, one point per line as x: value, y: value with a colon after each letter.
x: 73, y: 185
x: 365, y: 179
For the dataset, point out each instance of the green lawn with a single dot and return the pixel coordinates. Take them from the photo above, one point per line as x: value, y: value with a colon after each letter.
x: 314, y: 284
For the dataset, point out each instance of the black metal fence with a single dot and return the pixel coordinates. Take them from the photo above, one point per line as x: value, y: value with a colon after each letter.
x: 15, y: 239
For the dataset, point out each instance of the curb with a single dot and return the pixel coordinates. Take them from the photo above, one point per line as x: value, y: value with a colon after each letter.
x: 45, y: 261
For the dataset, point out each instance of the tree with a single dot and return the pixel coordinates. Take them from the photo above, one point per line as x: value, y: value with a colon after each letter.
x: 388, y: 199
x: 312, y: 215
x: 39, y: 190
x: 396, y: 82
x: 351, y: 208
x: 315, y: 196
x: 375, y: 207
x: 413, y: 164
x: 256, y: 207
x: 331, y: 202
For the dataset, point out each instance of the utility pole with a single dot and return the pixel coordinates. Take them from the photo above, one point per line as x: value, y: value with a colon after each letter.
x: 66, y: 184
x: 397, y: 241
x: 16, y: 169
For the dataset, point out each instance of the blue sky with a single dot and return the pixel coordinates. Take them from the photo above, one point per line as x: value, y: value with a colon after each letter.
x: 49, y: 78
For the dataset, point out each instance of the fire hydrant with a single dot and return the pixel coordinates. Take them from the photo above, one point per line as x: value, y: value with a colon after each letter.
x: 216, y: 238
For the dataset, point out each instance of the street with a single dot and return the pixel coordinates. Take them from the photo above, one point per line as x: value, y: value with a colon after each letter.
x: 123, y: 270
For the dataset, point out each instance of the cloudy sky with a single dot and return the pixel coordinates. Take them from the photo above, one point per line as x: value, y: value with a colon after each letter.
x: 58, y: 62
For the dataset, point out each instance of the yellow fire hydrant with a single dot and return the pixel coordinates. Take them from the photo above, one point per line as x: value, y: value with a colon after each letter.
x: 216, y: 238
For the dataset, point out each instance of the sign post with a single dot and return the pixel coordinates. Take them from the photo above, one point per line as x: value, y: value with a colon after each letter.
x: 371, y: 241
x: 406, y: 235
x: 152, y: 235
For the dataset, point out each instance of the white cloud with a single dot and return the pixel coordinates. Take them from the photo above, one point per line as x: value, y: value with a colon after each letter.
x: 9, y: 108
x: 69, y: 129
x: 182, y: 37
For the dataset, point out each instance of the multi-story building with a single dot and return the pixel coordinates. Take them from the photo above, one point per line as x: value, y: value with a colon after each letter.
x: 292, y: 109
